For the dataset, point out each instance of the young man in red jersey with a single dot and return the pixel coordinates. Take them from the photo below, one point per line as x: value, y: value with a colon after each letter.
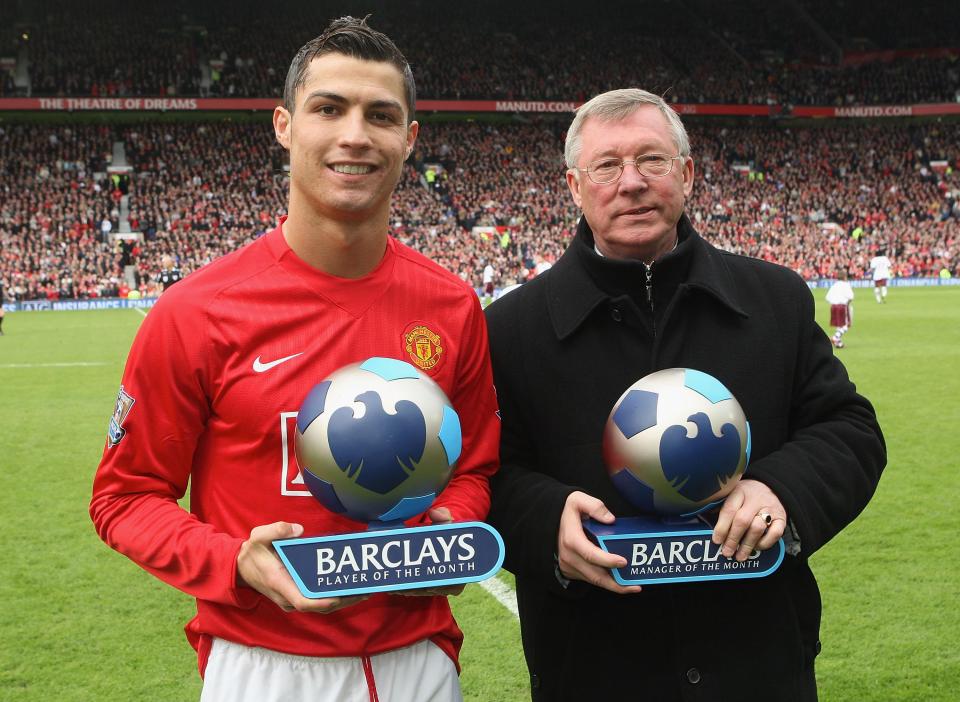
x: 220, y: 366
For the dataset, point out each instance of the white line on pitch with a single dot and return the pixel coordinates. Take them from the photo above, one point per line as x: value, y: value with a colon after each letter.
x: 52, y: 365
x: 140, y: 311
x: 502, y: 593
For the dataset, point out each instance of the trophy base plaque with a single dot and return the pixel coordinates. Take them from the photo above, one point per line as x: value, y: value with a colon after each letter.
x: 392, y: 559
x: 660, y: 551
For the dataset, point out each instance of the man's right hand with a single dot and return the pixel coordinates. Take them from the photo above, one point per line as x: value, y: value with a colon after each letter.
x: 578, y: 557
x: 259, y: 567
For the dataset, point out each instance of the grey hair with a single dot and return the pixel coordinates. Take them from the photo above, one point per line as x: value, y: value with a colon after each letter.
x: 618, y: 104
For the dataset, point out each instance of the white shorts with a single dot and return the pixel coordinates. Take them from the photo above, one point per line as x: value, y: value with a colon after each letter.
x: 418, y: 673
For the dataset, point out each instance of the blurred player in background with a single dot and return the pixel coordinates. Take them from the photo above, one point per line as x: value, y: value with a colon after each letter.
x: 169, y: 273
x: 880, y: 266
x: 840, y: 297
x: 226, y: 357
x: 489, y: 273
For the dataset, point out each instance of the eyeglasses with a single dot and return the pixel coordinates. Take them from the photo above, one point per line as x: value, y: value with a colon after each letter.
x: 609, y: 170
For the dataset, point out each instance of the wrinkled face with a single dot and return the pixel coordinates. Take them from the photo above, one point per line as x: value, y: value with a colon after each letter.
x: 635, y: 217
x: 348, y: 137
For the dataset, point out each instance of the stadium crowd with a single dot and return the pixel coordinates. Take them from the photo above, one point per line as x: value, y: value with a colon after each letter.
x: 475, y: 197
x: 486, y: 199
x: 55, y: 203
x: 202, y: 189
x: 734, y: 52
x: 114, y: 59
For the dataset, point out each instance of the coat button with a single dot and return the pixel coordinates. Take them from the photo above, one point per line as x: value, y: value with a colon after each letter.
x: 534, y: 682
x: 615, y: 314
x: 693, y: 676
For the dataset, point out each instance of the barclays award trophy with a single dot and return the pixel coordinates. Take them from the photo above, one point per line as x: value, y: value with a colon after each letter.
x: 675, y: 444
x: 377, y: 441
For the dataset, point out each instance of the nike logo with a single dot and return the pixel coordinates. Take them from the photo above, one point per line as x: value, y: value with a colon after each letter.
x: 261, y: 367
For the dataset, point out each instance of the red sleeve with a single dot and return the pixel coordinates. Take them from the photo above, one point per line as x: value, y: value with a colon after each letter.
x: 467, y: 496
x: 148, y: 460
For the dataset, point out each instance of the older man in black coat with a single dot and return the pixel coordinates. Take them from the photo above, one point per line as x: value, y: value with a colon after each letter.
x: 639, y: 290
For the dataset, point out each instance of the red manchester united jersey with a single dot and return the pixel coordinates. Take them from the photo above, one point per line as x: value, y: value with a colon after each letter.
x: 209, y: 396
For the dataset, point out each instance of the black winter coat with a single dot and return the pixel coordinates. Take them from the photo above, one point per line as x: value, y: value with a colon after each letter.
x: 564, y: 347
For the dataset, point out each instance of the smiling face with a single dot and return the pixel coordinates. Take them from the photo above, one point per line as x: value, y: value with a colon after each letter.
x: 635, y: 217
x: 348, y: 138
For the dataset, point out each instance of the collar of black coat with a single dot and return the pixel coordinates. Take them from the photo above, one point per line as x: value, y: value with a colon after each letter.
x: 582, y: 280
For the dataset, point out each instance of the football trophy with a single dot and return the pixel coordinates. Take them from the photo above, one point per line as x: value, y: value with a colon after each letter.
x: 675, y: 444
x: 377, y: 442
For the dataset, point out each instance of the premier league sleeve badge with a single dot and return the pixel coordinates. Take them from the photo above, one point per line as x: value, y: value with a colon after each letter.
x: 116, y: 432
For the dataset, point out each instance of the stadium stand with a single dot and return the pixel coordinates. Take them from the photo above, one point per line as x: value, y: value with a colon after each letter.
x: 89, y: 211
x: 813, y: 199
x: 741, y: 51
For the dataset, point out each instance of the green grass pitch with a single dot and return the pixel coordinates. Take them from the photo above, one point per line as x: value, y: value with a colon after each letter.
x: 80, y: 622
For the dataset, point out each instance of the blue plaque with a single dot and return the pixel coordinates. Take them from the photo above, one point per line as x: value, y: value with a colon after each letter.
x: 388, y: 560
x: 659, y: 551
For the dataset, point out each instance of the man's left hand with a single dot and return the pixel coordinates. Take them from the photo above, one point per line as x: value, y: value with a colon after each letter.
x: 752, y: 518
x: 437, y: 515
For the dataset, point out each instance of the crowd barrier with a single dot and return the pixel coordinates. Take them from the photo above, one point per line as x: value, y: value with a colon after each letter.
x: 104, y: 303
x: 115, y: 303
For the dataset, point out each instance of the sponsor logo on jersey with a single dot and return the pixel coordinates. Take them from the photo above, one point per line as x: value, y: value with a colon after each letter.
x: 116, y: 432
x: 423, y: 345
x: 291, y: 479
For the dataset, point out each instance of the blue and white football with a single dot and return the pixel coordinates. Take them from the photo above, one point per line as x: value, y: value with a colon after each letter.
x: 676, y: 442
x: 377, y: 441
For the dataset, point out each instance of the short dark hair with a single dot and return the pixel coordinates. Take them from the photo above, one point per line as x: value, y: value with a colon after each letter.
x: 351, y: 37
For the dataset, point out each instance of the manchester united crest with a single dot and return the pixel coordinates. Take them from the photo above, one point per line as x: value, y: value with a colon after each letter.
x: 422, y: 345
